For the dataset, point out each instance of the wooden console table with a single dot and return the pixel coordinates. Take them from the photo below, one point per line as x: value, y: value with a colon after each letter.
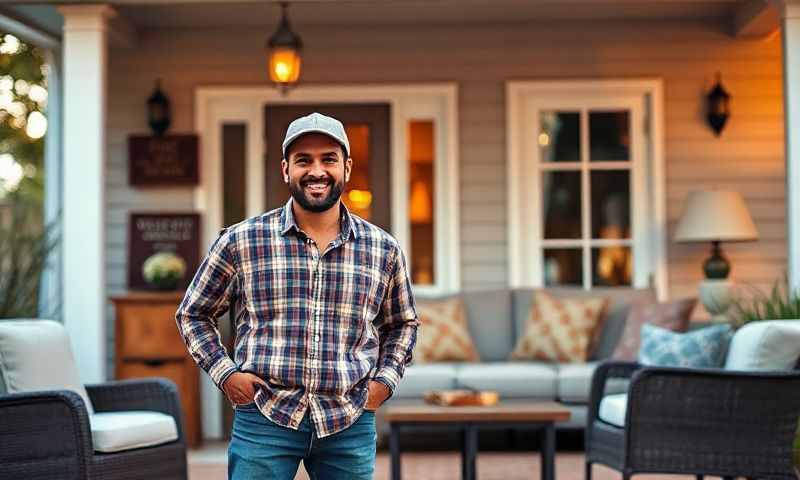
x: 147, y: 344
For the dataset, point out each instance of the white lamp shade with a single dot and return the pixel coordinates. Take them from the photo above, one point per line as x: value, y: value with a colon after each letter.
x: 715, y: 215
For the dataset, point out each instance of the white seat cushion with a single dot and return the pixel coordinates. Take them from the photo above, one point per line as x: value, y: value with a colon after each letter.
x: 613, y: 408
x: 119, y: 431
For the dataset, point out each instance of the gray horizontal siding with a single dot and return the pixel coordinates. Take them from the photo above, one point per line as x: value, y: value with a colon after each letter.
x: 480, y: 59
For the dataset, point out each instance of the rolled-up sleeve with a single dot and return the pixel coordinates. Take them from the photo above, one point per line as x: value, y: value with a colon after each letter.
x: 397, y: 324
x: 207, y: 298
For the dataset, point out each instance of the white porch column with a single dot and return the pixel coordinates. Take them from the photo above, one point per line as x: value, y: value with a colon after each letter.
x: 84, y: 116
x: 790, y: 23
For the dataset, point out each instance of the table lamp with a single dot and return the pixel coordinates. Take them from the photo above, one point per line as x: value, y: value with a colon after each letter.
x: 715, y: 216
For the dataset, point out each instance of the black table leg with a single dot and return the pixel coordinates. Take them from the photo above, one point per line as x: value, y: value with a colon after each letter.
x: 469, y: 451
x: 548, y: 452
x: 394, y: 450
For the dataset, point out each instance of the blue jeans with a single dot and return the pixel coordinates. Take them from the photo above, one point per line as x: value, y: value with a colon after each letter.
x: 262, y: 449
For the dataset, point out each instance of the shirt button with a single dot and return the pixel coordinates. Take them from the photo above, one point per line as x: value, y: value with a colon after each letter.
x: 316, y: 338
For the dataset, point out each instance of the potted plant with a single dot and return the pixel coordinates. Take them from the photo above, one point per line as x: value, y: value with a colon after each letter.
x: 164, y: 270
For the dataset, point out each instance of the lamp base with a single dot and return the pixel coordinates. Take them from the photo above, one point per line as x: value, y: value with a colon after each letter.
x: 716, y: 296
x: 716, y: 267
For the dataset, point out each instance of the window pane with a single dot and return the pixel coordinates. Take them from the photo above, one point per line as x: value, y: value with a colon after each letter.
x: 563, y: 266
x: 561, y: 200
x: 421, y: 150
x: 609, y: 136
x: 559, y: 138
x: 611, y: 266
x: 611, y: 204
x: 234, y: 186
x: 357, y: 194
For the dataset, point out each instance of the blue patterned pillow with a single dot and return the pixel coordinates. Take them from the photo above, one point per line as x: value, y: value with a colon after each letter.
x: 702, y: 348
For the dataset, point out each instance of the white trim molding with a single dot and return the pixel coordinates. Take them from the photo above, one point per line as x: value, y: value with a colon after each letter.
x: 790, y: 22
x: 216, y: 106
x: 644, y: 99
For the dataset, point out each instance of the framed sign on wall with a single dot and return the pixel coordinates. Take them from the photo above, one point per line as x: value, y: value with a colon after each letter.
x: 160, y: 161
x: 172, y: 233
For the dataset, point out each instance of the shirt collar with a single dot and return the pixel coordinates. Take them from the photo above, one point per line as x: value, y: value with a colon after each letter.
x: 347, y: 230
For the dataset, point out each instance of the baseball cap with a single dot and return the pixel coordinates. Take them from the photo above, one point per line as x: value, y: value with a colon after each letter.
x: 316, y: 123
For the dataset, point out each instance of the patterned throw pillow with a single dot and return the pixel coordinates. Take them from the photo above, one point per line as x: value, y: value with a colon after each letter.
x: 443, y: 335
x: 560, y: 329
x: 670, y: 315
x: 702, y: 348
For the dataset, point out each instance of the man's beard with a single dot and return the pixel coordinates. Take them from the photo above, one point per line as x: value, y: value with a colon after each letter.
x: 314, y: 204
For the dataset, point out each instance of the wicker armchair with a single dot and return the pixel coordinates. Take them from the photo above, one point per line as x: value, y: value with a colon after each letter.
x: 696, y: 422
x: 51, y: 426
x: 46, y: 434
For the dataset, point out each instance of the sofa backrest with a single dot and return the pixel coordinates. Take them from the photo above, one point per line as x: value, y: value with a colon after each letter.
x: 621, y: 299
x: 489, y: 316
x: 36, y: 355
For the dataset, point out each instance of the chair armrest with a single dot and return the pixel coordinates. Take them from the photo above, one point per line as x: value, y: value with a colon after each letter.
x: 43, y: 433
x: 154, y: 394
x: 715, y: 422
x: 604, y: 372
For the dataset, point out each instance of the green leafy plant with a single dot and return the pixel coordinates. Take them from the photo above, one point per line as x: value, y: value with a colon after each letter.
x: 25, y: 246
x: 781, y: 303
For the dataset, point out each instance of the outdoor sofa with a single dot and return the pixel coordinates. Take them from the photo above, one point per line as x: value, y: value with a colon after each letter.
x: 496, y: 320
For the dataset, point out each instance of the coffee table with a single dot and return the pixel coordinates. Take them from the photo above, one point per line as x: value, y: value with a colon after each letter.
x: 469, y: 420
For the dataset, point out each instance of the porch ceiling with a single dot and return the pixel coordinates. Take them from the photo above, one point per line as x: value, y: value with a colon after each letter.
x: 261, y: 13
x: 204, y: 13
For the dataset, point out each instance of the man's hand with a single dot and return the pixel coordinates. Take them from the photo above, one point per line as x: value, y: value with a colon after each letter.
x: 240, y: 387
x: 378, y: 393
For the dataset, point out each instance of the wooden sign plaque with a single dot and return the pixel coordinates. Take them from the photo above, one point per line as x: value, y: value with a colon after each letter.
x: 149, y: 233
x: 167, y: 160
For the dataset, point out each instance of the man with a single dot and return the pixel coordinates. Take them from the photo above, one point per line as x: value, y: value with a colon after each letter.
x: 325, y: 320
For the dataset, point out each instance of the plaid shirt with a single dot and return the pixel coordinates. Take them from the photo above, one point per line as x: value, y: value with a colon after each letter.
x: 316, y: 326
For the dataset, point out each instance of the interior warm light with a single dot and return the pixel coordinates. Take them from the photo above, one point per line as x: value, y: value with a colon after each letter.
x: 420, y: 203
x: 360, y: 199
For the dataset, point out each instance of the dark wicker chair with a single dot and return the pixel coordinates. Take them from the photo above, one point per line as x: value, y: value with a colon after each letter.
x: 697, y: 422
x: 46, y: 435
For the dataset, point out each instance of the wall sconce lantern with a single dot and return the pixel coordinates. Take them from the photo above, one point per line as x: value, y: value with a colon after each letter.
x: 718, y: 105
x: 284, y: 51
x: 158, y: 111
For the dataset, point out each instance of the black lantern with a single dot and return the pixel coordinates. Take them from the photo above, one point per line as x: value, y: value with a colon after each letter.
x: 284, y: 53
x: 158, y: 114
x: 718, y: 104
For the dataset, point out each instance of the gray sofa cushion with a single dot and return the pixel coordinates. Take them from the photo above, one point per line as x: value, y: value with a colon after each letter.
x: 489, y: 318
x: 621, y: 298
x: 421, y: 378
x: 510, y: 379
x: 575, y: 382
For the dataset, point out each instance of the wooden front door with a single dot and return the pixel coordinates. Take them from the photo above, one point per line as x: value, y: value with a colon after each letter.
x: 367, y: 194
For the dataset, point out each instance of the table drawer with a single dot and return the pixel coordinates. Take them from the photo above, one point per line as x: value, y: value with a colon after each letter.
x: 149, y: 332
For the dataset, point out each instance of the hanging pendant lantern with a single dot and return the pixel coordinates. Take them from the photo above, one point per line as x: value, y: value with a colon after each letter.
x: 284, y: 51
x: 718, y: 105
x: 158, y: 111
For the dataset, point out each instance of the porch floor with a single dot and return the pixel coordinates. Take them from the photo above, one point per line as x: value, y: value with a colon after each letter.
x: 210, y: 463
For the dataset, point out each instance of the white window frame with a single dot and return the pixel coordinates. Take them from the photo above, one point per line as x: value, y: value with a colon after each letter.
x: 644, y: 98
